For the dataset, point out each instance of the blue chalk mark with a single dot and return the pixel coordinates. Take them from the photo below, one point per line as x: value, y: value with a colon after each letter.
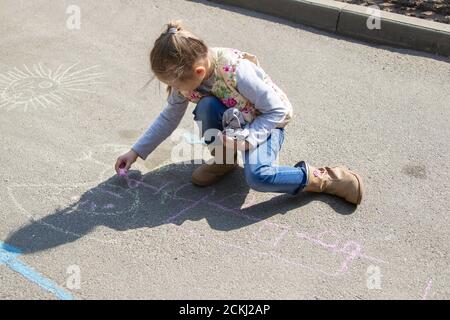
x: 8, y: 257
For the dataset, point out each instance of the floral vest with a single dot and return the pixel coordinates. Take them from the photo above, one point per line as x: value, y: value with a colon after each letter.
x: 225, y: 85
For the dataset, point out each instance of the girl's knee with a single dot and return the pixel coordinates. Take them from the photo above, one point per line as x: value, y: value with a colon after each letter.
x: 256, y: 177
x: 205, y: 101
x: 207, y: 105
x: 208, y: 113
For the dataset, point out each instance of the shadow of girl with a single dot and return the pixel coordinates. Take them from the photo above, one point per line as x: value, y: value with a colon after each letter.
x: 160, y: 197
x: 163, y: 196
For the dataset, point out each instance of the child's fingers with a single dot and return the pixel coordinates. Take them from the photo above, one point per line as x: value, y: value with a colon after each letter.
x: 226, y: 142
x: 222, y: 137
x: 229, y: 142
x: 128, y: 165
x: 117, y: 165
x: 121, y: 163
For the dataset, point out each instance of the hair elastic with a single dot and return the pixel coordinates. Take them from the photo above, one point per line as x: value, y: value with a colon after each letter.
x: 173, y: 30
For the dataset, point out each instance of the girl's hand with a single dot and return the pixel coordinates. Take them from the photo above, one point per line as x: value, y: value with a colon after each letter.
x: 125, y: 161
x: 231, y: 143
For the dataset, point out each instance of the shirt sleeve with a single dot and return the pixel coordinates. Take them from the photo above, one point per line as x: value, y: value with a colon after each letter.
x: 163, y: 126
x: 251, y: 84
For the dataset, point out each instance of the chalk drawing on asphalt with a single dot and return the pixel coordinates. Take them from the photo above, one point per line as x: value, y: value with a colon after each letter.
x: 264, y: 238
x: 39, y: 87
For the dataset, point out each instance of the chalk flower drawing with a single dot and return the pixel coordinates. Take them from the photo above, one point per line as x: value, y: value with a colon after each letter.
x: 40, y: 87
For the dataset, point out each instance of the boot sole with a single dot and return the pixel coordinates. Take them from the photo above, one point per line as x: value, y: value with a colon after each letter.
x: 203, y: 184
x: 360, y: 187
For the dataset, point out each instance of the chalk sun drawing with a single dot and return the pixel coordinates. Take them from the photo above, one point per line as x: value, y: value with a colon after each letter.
x: 39, y: 87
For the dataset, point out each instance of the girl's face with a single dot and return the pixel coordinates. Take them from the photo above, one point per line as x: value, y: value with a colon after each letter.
x: 186, y: 85
x: 201, y: 70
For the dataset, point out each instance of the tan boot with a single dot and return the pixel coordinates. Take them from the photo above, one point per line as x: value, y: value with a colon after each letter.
x: 222, y: 164
x: 339, y: 181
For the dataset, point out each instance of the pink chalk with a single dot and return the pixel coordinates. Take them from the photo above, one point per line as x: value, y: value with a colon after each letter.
x: 122, y: 172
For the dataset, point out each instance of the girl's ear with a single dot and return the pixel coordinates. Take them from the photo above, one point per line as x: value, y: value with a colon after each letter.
x: 199, y: 71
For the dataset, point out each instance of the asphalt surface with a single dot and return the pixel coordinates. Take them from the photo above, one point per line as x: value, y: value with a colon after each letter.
x: 72, y: 100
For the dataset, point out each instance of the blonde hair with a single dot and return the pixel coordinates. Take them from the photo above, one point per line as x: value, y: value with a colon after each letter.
x: 174, y: 55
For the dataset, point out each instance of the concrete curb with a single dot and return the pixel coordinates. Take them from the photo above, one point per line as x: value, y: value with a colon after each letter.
x: 351, y: 20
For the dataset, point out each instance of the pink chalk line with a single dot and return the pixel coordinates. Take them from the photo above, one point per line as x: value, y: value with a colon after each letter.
x: 427, y: 290
x: 351, y: 249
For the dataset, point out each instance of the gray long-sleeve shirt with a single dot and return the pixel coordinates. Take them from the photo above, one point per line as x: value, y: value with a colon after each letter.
x: 250, y: 83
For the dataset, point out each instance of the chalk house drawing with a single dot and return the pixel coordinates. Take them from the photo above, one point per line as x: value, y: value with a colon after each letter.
x: 40, y: 87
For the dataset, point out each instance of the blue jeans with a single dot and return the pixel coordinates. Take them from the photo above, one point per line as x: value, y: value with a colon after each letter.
x: 260, y: 173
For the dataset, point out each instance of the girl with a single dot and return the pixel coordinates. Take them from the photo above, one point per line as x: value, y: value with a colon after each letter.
x: 216, y: 79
